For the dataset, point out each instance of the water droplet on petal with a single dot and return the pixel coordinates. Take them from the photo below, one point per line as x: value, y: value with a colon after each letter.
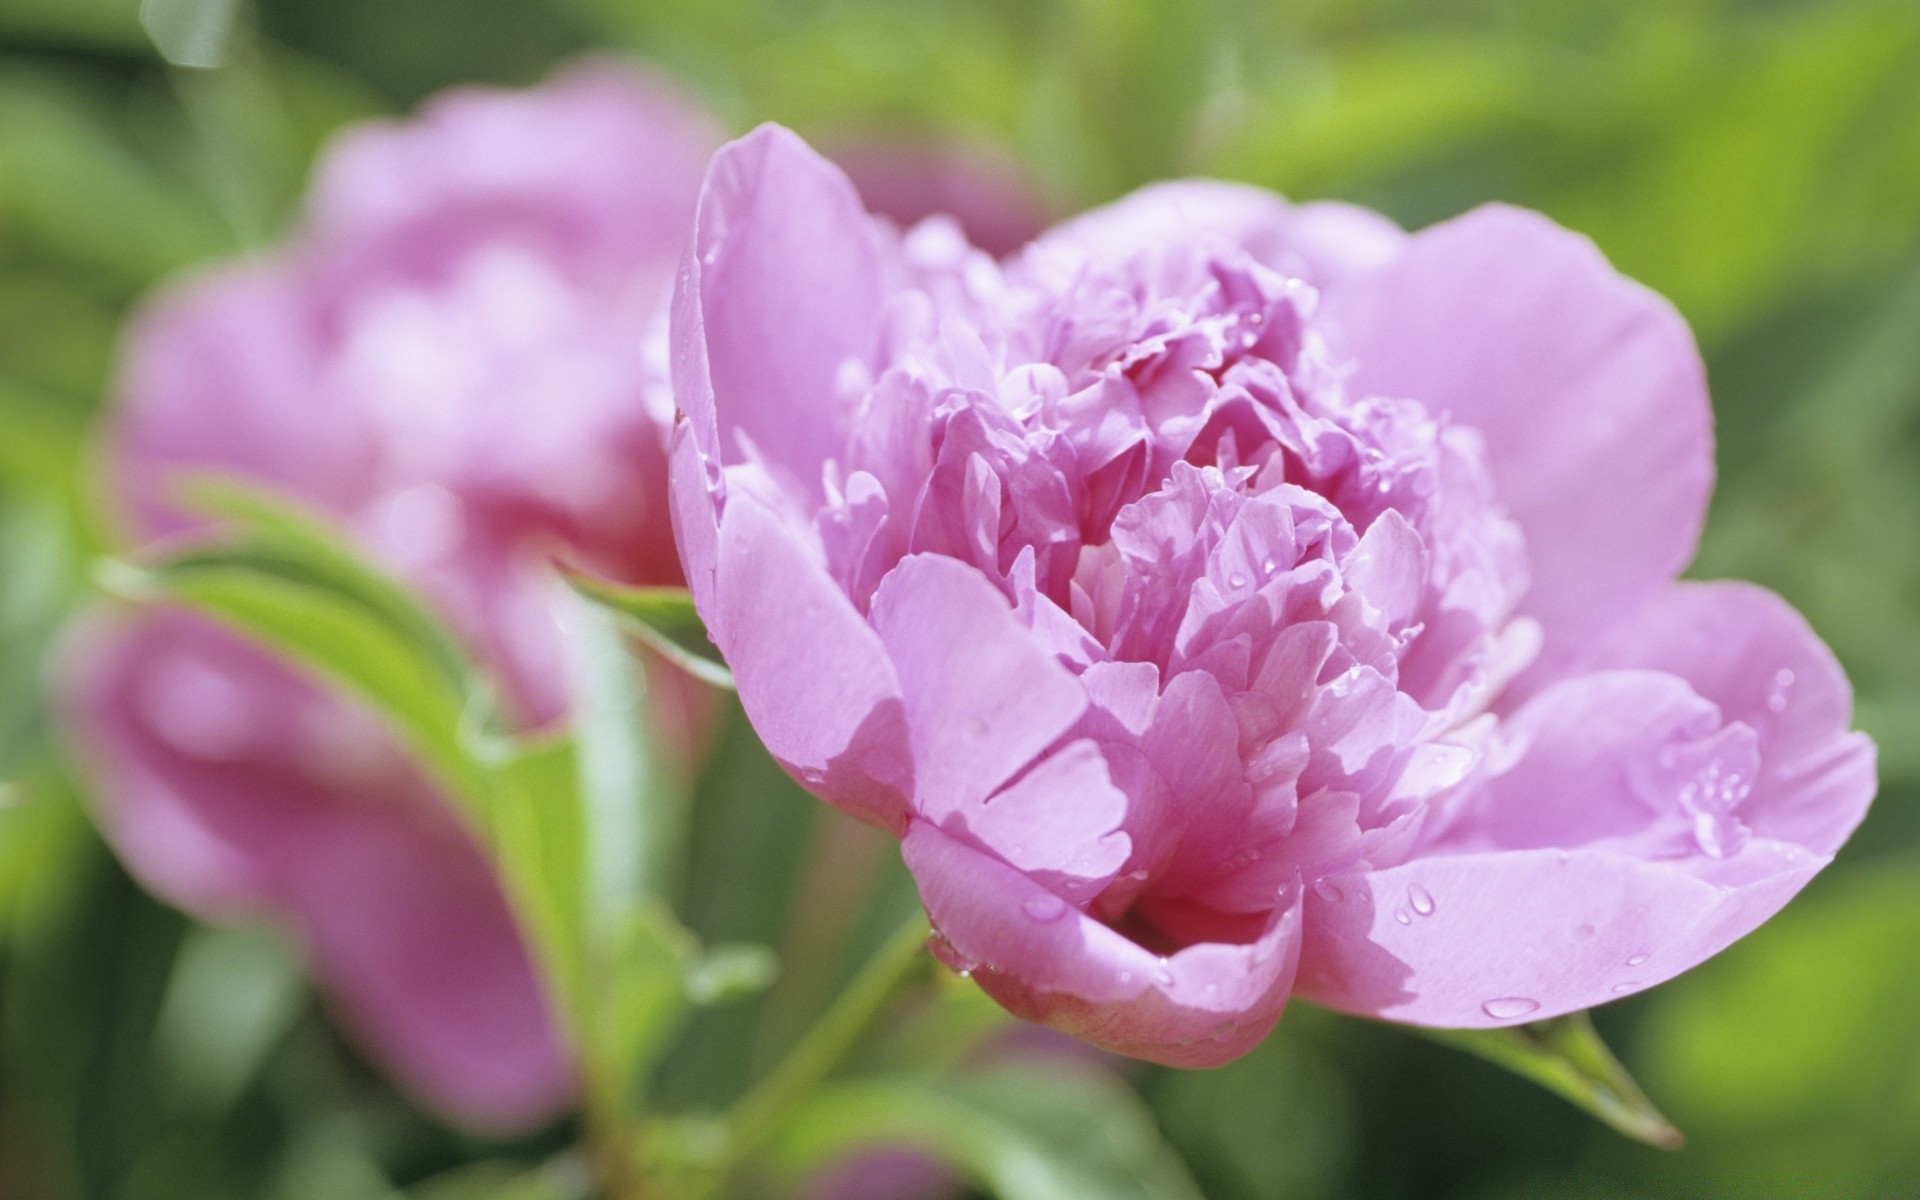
x: 1777, y: 695
x: 1623, y: 988
x: 1328, y: 890
x: 1236, y: 580
x: 1163, y: 973
x: 1421, y: 899
x: 1637, y: 959
x: 1045, y: 907
x: 1403, y: 916
x: 1508, y: 1008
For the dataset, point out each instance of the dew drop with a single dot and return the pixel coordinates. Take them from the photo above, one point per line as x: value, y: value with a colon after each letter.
x: 1403, y: 916
x: 1236, y: 580
x: 1045, y: 907
x: 1328, y: 890
x: 966, y: 972
x: 1777, y: 696
x: 1637, y: 959
x: 1421, y: 899
x: 1623, y: 988
x: 1163, y: 973
x: 1507, y: 1008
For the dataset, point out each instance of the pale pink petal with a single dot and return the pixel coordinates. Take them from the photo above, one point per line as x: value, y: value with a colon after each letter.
x: 1320, y: 242
x: 813, y: 677
x: 1586, y: 387
x: 1750, y: 653
x: 982, y: 698
x: 786, y: 269
x: 1481, y: 940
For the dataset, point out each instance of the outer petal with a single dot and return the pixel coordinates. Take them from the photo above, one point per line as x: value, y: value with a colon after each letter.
x: 225, y: 790
x: 1746, y: 650
x: 785, y: 278
x: 1048, y: 962
x: 1319, y: 242
x: 1586, y: 386
x: 1555, y: 888
x: 1480, y: 940
x: 813, y: 677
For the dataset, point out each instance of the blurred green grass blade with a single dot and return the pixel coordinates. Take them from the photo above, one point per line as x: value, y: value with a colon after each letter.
x: 1025, y: 1132
x: 1566, y: 1056
x: 662, y: 617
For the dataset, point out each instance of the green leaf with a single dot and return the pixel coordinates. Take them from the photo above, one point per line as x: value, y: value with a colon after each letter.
x: 1565, y: 1056
x: 663, y: 618
x: 1024, y: 1132
x: 634, y: 812
x: 282, y: 576
x: 538, y: 837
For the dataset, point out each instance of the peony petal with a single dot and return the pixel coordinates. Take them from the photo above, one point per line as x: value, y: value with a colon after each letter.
x: 1481, y: 940
x: 425, y: 964
x: 1319, y: 242
x: 220, y: 374
x: 596, y: 164
x: 983, y: 698
x: 1059, y: 823
x: 1586, y: 386
x: 785, y: 277
x: 1749, y: 652
x: 1048, y: 962
x: 812, y: 676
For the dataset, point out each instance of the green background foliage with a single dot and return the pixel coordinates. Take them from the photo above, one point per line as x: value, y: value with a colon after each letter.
x: 1758, y: 161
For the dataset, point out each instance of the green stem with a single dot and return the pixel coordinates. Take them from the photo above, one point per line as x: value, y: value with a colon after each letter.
x: 761, y: 1111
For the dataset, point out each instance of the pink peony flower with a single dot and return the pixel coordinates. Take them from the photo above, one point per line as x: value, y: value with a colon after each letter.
x: 448, y: 358
x: 1225, y: 600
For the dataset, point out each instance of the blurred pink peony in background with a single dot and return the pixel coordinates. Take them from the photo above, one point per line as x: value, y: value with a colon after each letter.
x: 450, y: 358
x: 461, y: 355
x: 1225, y: 599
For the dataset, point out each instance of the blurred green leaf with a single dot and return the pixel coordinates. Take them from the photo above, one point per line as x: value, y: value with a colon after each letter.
x: 191, y: 33
x: 725, y: 973
x: 1798, y: 1050
x: 664, y: 618
x: 1025, y: 1132
x: 565, y: 1180
x: 1565, y: 1056
x: 112, y: 23
x: 283, y: 576
x: 233, y: 994
x: 72, y: 183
